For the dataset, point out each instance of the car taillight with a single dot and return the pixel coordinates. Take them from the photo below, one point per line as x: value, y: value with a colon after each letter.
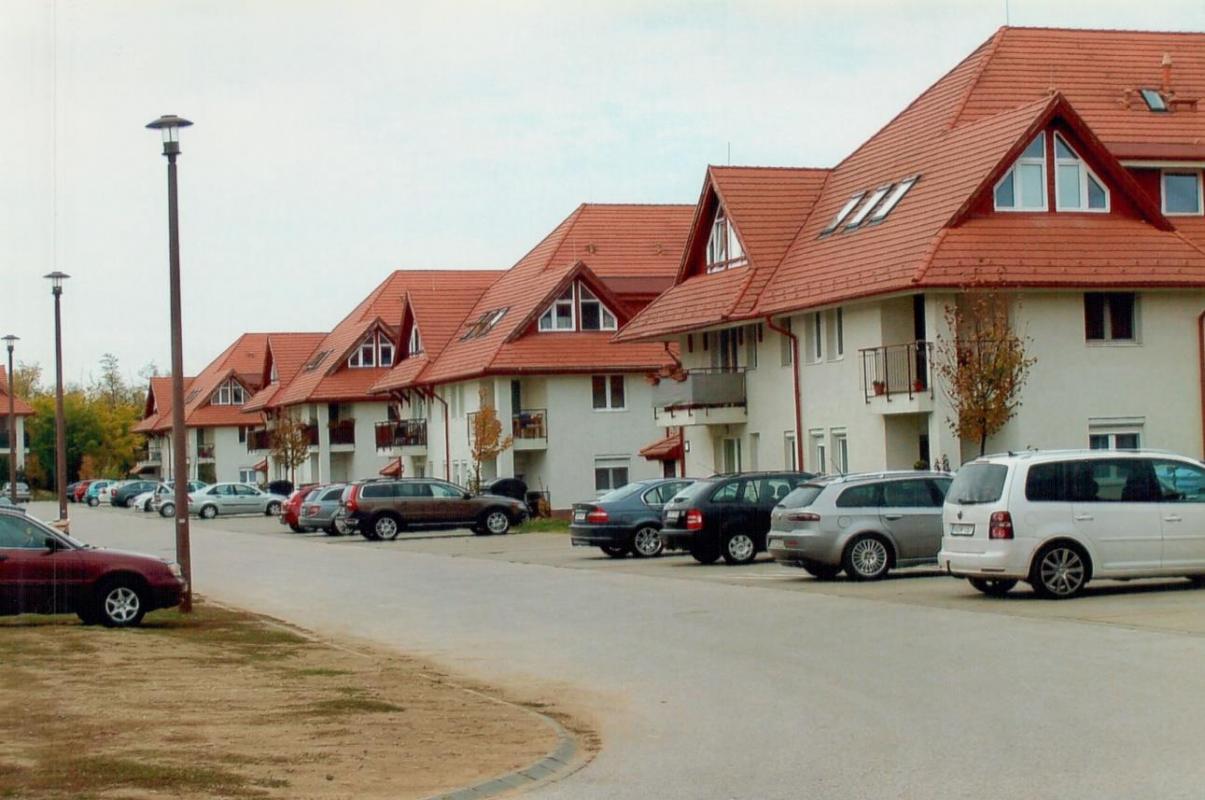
x: 352, y: 497
x: 311, y: 510
x: 1001, y: 526
x: 597, y: 516
x: 694, y: 520
x: 803, y: 516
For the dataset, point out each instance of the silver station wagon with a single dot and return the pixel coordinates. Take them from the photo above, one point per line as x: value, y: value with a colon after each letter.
x: 865, y: 524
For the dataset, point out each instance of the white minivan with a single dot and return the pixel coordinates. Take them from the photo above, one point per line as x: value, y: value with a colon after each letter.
x: 1057, y: 519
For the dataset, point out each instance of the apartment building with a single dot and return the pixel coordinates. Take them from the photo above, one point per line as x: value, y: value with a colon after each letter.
x: 1060, y: 169
x: 21, y: 410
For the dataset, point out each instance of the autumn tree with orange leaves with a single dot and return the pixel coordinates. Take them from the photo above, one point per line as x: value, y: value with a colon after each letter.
x: 982, y: 365
x: 486, y: 442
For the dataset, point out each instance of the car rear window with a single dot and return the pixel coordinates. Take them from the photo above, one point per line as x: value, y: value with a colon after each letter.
x: 803, y: 496
x: 377, y: 490
x: 866, y: 496
x: 977, y: 483
x: 627, y: 490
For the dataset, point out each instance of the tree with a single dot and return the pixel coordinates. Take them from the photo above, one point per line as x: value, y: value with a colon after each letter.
x: 982, y: 364
x: 486, y: 442
x: 290, y: 443
x: 27, y: 380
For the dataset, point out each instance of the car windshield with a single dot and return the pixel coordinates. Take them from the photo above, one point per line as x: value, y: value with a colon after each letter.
x: 803, y: 496
x: 621, y: 493
x: 977, y: 483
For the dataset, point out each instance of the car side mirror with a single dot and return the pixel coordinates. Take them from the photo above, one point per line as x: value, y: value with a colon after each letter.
x: 468, y: 495
x: 53, y: 545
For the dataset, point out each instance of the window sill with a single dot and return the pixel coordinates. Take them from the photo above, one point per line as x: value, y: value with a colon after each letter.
x: 1113, y: 343
x: 610, y: 410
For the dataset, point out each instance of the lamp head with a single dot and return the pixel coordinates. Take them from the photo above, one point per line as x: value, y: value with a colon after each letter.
x: 56, y: 279
x: 169, y: 125
x: 9, y: 341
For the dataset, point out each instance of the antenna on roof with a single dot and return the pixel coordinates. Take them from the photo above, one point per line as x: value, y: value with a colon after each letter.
x: 730, y: 154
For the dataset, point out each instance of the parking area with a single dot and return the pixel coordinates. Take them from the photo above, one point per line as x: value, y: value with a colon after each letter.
x: 1172, y: 605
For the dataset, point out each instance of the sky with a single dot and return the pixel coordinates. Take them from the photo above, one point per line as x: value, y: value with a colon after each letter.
x: 337, y: 141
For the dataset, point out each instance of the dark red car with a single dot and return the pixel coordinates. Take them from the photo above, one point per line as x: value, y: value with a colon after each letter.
x: 43, y: 571
x: 290, y: 511
x: 81, y: 489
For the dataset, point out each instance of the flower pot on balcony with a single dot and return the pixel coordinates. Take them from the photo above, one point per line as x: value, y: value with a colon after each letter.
x: 879, y: 387
x: 918, y: 386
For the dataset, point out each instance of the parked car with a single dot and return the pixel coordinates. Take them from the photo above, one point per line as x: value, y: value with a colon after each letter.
x: 92, y: 496
x: 627, y: 519
x: 1059, y: 519
x: 164, y: 501
x: 283, y: 488
x: 71, y: 487
x: 126, y: 491
x: 47, y: 572
x: 320, y: 509
x: 290, y: 512
x: 865, y: 524
x: 381, y: 509
x: 233, y: 498
x: 5, y: 502
x: 24, y: 495
x: 726, y: 515
x: 81, y: 491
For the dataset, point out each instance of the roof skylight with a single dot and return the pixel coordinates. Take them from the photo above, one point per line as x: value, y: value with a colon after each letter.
x: 313, y: 363
x: 485, y: 323
x: 843, y: 213
x: 1154, y: 100
x: 860, y: 215
x: 893, y: 199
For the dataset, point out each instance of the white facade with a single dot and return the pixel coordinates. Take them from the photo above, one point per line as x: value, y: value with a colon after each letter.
x: 1149, y: 387
x: 22, y: 449
x: 346, y: 444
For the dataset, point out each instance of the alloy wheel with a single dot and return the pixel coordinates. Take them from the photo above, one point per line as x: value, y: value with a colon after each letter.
x: 740, y: 548
x: 869, y: 557
x: 1062, y: 572
x: 386, y: 528
x: 497, y: 523
x: 646, y: 542
x: 122, y: 605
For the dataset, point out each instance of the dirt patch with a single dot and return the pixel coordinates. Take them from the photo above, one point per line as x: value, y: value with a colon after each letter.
x: 227, y: 705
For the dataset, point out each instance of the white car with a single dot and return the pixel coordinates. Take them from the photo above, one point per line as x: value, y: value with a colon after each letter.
x: 141, y: 502
x: 1058, y: 519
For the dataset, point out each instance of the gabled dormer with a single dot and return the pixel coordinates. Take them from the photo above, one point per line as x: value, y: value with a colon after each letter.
x: 577, y: 308
x: 229, y: 393
x: 1051, y: 164
x: 724, y: 248
x: 375, y: 349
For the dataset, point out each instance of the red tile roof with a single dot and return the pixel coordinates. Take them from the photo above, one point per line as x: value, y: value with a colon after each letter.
x: 157, y: 414
x: 20, y: 407
x: 667, y: 448
x: 287, y: 352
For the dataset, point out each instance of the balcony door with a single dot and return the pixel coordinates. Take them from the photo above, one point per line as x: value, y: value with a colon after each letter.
x: 725, y: 349
x: 731, y: 454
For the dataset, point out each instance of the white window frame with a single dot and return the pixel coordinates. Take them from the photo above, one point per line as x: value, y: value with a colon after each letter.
x: 227, y: 393
x: 384, y: 344
x: 610, y: 407
x: 610, y: 464
x: 786, y: 345
x: 370, y: 352
x: 248, y: 475
x: 1017, y: 193
x: 1107, y: 339
x: 818, y: 452
x: 816, y: 341
x: 873, y: 200
x: 834, y: 319
x: 893, y: 199
x: 790, y: 452
x: 844, y: 212
x: 1111, y: 433
x: 723, y: 235
x: 1084, y: 172
x: 416, y: 342
x: 584, y: 296
x: 1163, y: 192
x: 735, y: 442
x: 555, y: 312
x: 840, y: 445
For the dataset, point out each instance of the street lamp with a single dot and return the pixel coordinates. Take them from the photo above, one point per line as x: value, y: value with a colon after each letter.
x: 169, y: 125
x: 9, y: 341
x: 56, y: 279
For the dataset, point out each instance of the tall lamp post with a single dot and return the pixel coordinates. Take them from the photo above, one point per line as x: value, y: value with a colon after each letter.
x: 56, y: 279
x: 9, y: 341
x: 169, y: 125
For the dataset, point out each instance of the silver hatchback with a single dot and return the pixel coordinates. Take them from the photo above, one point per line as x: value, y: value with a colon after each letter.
x: 865, y: 524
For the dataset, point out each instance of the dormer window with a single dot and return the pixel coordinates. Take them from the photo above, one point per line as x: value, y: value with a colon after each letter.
x: 374, y: 350
x: 724, y: 249
x: 860, y: 215
x: 416, y: 342
x: 274, y: 376
x: 230, y: 393
x: 843, y: 213
x: 1076, y: 187
x: 1182, y: 192
x: 577, y: 308
x: 1154, y: 100
x: 1023, y: 187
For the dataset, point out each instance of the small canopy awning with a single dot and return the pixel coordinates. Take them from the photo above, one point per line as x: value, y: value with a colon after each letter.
x: 393, y: 469
x: 261, y: 465
x: 667, y: 448
x: 143, y: 467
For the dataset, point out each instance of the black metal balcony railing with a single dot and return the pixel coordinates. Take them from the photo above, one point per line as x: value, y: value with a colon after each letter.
x: 343, y: 431
x: 402, y: 433
x: 530, y: 423
x: 702, y: 388
x: 901, y: 369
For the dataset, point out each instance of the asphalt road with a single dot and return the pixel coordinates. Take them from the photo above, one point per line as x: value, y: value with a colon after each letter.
x: 712, y: 682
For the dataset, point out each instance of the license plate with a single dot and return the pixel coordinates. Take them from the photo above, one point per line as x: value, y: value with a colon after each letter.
x: 773, y: 543
x: 962, y: 529
x: 579, y: 516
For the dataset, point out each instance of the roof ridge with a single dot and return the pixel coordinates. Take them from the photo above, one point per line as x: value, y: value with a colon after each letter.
x: 634, y: 205
x: 1097, y: 30
x: 769, y: 167
x: 992, y: 47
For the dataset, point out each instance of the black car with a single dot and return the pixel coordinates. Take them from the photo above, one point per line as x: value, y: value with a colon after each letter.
x: 727, y: 515
x: 128, y: 491
x: 627, y: 519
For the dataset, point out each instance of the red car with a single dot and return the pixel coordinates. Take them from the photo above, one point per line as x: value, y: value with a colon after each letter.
x: 43, y: 571
x: 290, y: 512
x: 81, y: 489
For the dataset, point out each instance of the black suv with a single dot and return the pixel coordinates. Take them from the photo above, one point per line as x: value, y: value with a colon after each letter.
x: 726, y: 515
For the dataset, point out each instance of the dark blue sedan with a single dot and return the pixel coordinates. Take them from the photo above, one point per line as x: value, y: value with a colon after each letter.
x: 627, y: 519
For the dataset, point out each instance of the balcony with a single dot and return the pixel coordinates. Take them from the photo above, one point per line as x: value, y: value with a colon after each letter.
x: 529, y: 429
x: 343, y: 433
x: 153, y: 455
x: 409, y: 436
x: 898, y: 379
x: 4, y: 439
x: 704, y: 397
x: 259, y: 440
x: 204, y: 452
x: 311, y: 434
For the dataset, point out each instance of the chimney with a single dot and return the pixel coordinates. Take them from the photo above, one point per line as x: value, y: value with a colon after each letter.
x: 1166, y: 63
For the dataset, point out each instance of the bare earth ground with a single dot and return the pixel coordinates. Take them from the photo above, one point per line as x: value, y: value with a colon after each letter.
x: 227, y: 705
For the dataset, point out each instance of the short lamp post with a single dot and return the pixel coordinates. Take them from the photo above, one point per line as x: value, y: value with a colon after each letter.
x: 9, y: 341
x: 169, y: 125
x: 56, y: 279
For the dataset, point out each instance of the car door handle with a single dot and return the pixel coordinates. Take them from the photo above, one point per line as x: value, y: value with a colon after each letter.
x: 1084, y: 517
x: 893, y: 516
x: 1173, y: 518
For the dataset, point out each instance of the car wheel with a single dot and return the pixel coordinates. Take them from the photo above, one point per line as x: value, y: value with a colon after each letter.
x: 866, y: 558
x: 332, y: 530
x: 167, y: 510
x: 93, y: 502
x: 822, y: 572
x: 994, y: 587
x: 1060, y: 571
x: 387, y: 527
x: 646, y: 542
x: 614, y: 552
x: 273, y: 509
x: 297, y: 528
x: 209, y: 512
x: 739, y: 548
x: 120, y: 603
x: 704, y: 554
x: 496, y: 522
